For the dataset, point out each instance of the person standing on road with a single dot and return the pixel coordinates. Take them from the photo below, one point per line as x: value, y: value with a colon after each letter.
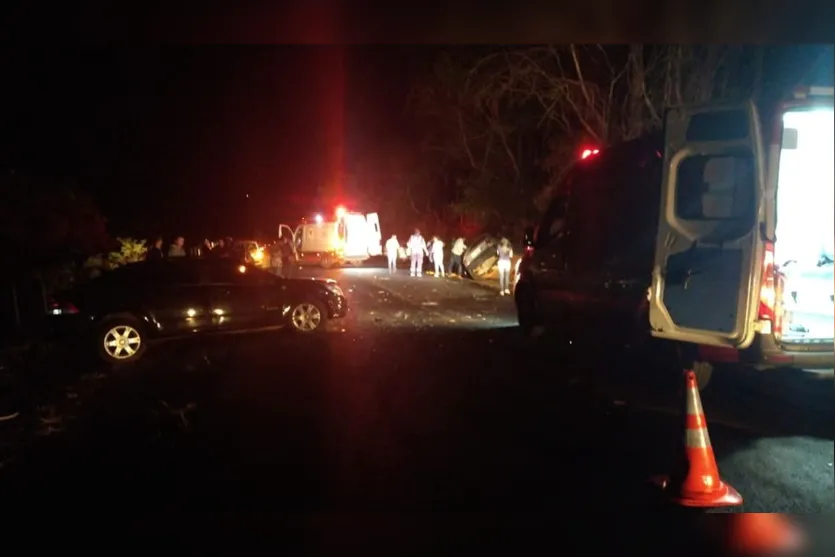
x: 155, y: 251
x: 505, y: 253
x: 275, y: 258
x: 456, y: 268
x: 417, y: 249
x: 437, y: 250
x: 286, y: 258
x: 392, y: 251
x: 177, y: 249
x: 221, y: 249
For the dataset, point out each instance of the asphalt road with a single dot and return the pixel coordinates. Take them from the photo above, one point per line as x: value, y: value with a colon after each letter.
x: 425, y: 397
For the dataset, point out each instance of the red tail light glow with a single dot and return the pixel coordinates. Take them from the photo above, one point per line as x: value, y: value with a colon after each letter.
x: 588, y: 152
x: 770, y: 309
x: 62, y: 308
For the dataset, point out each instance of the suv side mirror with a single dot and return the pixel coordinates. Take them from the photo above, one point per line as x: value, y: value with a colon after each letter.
x: 528, y: 239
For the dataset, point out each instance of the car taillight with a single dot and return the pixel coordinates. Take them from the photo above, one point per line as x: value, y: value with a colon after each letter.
x: 770, y: 292
x: 62, y: 308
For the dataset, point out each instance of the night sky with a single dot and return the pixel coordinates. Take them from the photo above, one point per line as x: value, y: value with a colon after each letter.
x: 171, y: 139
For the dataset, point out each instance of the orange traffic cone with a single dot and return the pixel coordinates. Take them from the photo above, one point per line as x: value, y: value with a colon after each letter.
x: 697, y: 482
x: 756, y: 534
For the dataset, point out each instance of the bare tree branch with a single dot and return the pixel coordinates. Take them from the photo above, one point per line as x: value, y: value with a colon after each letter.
x: 464, y: 140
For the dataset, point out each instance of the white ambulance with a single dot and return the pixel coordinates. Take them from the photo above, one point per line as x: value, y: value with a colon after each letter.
x: 716, y: 234
x: 346, y: 237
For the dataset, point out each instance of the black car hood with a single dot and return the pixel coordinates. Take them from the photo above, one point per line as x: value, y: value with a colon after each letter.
x: 322, y: 281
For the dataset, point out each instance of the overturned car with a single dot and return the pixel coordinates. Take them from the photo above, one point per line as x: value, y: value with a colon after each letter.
x: 480, y: 259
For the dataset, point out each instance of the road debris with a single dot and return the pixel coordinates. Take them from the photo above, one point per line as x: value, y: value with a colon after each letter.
x: 180, y: 411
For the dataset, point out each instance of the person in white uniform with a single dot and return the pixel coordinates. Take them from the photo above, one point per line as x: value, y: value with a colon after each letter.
x: 392, y: 252
x: 437, y: 249
x: 417, y: 249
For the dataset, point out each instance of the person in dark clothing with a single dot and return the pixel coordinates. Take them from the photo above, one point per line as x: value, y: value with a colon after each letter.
x: 206, y: 249
x: 287, y: 257
x: 276, y: 259
x: 221, y: 249
x: 155, y: 252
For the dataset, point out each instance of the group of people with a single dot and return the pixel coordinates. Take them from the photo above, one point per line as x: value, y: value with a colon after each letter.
x: 281, y: 252
x: 221, y: 248
x: 417, y: 248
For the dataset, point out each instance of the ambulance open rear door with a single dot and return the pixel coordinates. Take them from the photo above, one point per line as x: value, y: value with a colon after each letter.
x: 709, y: 245
x: 375, y: 235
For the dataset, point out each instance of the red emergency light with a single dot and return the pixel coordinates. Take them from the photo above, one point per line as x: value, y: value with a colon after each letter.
x: 588, y: 152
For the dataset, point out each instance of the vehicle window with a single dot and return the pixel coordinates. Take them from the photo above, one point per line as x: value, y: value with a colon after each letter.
x: 553, y: 224
x: 715, y: 188
x: 554, y: 221
x: 181, y: 275
x: 629, y: 203
x: 256, y: 277
x: 591, y: 199
x: 139, y: 274
x: 242, y: 275
x: 726, y: 125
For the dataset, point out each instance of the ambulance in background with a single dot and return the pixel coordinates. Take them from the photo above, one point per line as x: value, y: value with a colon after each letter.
x: 346, y: 237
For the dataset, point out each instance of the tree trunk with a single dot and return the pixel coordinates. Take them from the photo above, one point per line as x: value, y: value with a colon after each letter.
x: 634, y: 118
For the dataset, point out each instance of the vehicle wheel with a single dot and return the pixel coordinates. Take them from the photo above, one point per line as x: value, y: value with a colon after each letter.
x: 308, y: 316
x: 121, y: 340
x: 703, y: 371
